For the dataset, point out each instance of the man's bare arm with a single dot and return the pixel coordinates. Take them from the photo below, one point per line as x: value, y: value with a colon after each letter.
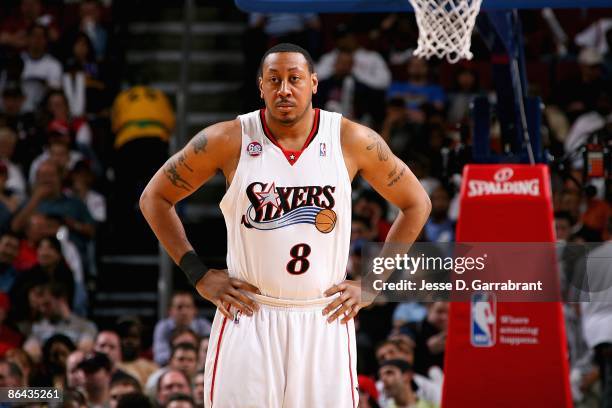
x: 365, y: 152
x: 368, y: 154
x: 210, y: 150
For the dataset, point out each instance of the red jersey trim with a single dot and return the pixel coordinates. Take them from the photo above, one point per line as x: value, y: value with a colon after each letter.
x: 212, y: 385
x: 292, y: 156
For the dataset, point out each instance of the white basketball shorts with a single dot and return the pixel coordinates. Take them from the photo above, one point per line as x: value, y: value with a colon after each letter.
x: 284, y: 356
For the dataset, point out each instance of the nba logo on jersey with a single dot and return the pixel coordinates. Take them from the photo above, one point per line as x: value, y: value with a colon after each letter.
x: 483, y: 323
x: 322, y: 149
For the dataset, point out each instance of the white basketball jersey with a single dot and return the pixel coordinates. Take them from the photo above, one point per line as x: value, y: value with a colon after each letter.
x: 288, y: 213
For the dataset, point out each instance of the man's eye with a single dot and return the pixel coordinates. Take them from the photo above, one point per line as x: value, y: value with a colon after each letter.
x: 295, y: 78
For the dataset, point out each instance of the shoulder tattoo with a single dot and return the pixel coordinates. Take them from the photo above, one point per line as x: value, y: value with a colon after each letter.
x: 377, y: 143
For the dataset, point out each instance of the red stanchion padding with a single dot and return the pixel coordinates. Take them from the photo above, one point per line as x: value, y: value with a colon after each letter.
x: 505, y: 354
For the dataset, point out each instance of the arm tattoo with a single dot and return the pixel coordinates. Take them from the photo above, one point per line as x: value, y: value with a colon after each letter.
x: 199, y: 143
x: 394, y: 176
x: 379, y: 145
x: 181, y: 159
x: 171, y: 171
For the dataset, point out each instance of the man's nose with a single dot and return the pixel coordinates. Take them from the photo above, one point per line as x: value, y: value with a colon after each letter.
x: 284, y: 90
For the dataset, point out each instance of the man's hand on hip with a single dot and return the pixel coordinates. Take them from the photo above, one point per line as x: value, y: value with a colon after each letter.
x: 224, y: 292
x: 348, y: 303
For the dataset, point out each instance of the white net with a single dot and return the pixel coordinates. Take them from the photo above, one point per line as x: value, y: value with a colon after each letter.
x: 445, y: 27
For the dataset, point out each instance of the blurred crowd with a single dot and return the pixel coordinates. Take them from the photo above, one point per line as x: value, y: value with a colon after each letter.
x: 69, y: 133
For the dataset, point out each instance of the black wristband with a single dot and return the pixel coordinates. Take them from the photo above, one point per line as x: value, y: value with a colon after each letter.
x: 193, y: 267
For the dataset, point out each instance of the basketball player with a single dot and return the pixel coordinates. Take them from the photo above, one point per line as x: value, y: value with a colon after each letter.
x: 283, y: 335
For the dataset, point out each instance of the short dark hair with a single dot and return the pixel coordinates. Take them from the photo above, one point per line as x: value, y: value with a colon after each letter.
x: 178, y: 331
x: 287, y: 47
x: 134, y: 400
x: 180, y: 397
x: 122, y: 378
x: 172, y: 370
x: 183, y: 346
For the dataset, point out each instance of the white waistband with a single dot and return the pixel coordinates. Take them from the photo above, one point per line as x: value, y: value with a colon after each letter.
x: 293, y: 303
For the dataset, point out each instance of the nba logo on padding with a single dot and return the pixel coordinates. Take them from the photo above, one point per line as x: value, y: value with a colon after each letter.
x: 483, y: 323
x: 322, y: 150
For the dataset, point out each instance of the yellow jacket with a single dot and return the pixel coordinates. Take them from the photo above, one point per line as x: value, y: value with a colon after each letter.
x: 141, y: 112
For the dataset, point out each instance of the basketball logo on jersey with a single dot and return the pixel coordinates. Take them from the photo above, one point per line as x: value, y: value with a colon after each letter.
x: 254, y: 149
x: 322, y: 150
x: 278, y: 207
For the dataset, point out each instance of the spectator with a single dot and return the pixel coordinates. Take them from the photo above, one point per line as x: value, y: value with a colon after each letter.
x: 59, y: 118
x: 198, y: 389
x: 41, y: 71
x: 368, y: 394
x: 202, y: 351
x: 10, y: 374
x: 371, y: 205
x: 134, y: 400
x: 182, y: 313
x: 439, y: 227
x: 74, y: 399
x: 172, y: 382
x: 183, y: 358
x: 575, y: 95
x: 58, y: 318
x: 27, y: 301
x: 13, y: 32
x: 398, y: 130
x: 97, y: 369
x: 81, y: 182
x: 337, y: 93
x: 48, y: 198
x: 430, y: 338
x: 563, y: 225
x: 75, y: 377
x: 417, y: 90
x: 57, y: 152
x: 465, y: 89
x: 23, y: 361
x: 50, y: 266
x: 29, y: 143
x: 130, y: 332
x: 107, y: 342
x: 369, y: 71
x: 8, y: 200
x: 90, y: 24
x: 9, y: 338
x: 15, y: 181
x: 397, y: 377
x: 180, y: 401
x: 121, y: 385
x: 55, y: 352
x: 597, y: 212
x: 184, y: 335
x: 9, y: 248
x: 368, y: 68
x: 84, y: 81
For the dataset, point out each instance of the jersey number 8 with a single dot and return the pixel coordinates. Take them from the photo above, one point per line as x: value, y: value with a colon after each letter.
x: 299, y: 262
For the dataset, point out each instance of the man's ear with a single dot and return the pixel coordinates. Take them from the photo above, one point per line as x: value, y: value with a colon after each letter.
x: 315, y: 82
x: 261, y: 94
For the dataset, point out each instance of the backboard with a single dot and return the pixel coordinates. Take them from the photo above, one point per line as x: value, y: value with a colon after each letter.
x: 373, y: 6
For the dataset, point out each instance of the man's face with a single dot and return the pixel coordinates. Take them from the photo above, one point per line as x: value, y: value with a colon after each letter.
x: 48, y: 175
x: 119, y: 390
x: 75, y: 377
x: 8, y: 139
x: 6, y: 379
x: 109, y: 344
x: 36, y: 228
x: 185, y: 360
x: 198, y: 389
x: 182, y: 310
x: 97, y: 380
x: 392, y: 379
x: 47, y: 254
x: 440, y: 202
x: 563, y: 229
x: 286, y: 86
x: 387, y: 352
x: 344, y: 64
x: 12, y: 104
x: 9, y: 248
x: 37, y: 44
x: 130, y: 343
x: 171, y: 383
x: 59, y: 154
x: 437, y: 315
x: 179, y: 404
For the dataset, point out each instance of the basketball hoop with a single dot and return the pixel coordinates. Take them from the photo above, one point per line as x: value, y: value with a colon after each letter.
x: 445, y: 28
